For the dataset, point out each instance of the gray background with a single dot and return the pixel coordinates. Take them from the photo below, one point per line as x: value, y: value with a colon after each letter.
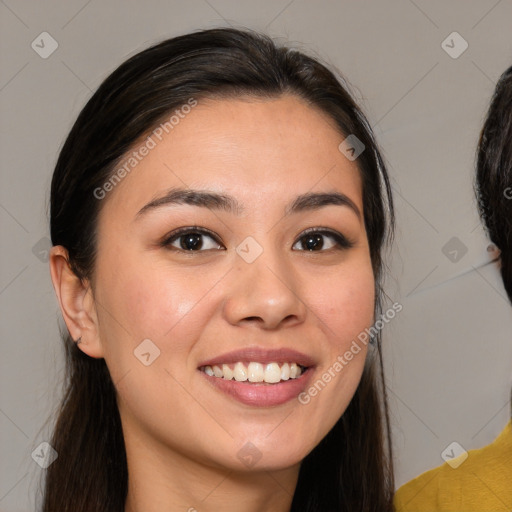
x: 448, y: 353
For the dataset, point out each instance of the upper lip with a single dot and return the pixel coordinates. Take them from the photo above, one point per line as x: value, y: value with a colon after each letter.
x: 260, y: 355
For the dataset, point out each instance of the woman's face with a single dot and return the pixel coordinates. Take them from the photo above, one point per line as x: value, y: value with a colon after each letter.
x: 270, y: 266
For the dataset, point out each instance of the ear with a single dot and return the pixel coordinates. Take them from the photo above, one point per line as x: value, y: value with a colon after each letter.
x: 76, y: 302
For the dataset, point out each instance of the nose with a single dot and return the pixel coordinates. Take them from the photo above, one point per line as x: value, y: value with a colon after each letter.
x: 265, y: 293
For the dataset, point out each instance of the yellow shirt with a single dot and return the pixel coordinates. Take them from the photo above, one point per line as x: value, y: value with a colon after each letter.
x: 482, y: 482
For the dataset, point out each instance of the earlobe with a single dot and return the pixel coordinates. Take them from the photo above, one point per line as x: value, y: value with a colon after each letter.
x: 76, y: 303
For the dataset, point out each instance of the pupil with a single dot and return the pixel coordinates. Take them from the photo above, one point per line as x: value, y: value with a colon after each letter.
x: 191, y: 241
x: 312, y: 242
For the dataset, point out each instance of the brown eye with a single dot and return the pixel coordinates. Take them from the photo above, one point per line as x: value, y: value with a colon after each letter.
x: 318, y: 241
x: 192, y: 240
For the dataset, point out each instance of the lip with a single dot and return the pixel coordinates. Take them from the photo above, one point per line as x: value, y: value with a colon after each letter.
x: 260, y: 394
x: 263, y: 356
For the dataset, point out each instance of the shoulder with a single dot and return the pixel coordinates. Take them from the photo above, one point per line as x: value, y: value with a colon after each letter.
x: 476, y: 480
x: 423, y: 493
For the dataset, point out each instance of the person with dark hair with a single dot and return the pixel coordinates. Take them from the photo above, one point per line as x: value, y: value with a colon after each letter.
x: 218, y: 216
x: 480, y: 480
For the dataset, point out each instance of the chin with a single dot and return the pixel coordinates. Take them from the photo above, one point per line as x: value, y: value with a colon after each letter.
x: 265, y: 455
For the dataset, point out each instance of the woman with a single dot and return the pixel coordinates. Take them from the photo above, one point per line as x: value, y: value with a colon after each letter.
x: 217, y: 214
x: 480, y: 480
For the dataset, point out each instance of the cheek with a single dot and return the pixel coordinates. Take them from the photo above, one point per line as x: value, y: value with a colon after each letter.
x: 144, y: 301
x: 344, y: 304
x: 165, y: 305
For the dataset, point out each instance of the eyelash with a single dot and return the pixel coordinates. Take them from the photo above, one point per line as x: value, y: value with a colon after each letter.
x: 342, y: 243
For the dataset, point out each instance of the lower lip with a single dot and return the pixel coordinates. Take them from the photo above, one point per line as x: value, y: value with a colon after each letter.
x: 259, y: 394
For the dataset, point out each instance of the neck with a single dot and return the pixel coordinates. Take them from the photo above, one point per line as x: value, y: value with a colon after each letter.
x: 162, y: 479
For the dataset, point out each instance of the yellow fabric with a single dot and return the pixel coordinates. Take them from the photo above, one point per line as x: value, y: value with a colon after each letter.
x: 482, y: 483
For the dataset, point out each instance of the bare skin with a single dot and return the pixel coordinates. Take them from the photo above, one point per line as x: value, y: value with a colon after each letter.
x: 183, y: 435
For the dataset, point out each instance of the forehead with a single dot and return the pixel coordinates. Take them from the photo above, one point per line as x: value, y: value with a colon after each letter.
x: 264, y: 151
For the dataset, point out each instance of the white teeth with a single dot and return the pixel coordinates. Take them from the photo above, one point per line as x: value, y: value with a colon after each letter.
x: 240, y: 372
x: 270, y: 373
x: 227, y: 371
x: 255, y: 371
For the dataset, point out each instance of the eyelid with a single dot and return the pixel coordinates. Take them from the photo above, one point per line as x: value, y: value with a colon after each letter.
x: 342, y: 241
x: 169, y: 237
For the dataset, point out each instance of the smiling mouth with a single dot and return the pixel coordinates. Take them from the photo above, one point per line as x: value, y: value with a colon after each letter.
x: 254, y: 372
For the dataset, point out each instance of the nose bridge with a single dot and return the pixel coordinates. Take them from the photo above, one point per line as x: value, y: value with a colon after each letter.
x: 265, y: 287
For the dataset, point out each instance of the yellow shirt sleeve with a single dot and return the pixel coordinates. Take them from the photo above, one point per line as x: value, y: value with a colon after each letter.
x: 482, y: 483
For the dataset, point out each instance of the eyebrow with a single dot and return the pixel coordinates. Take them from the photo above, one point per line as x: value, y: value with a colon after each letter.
x: 215, y: 201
